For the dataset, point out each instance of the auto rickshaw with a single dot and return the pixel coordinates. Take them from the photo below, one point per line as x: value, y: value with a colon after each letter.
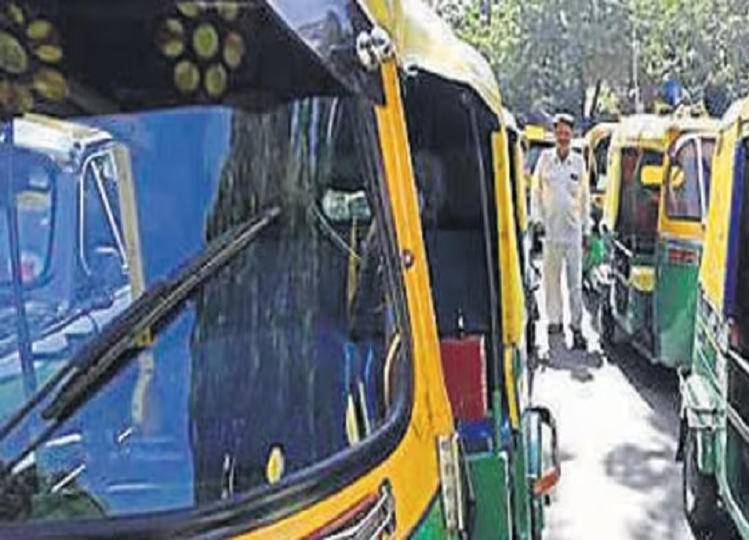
x: 595, y: 151
x: 537, y: 139
x: 597, y: 143
x: 714, y: 441
x: 531, y: 276
x: 286, y: 323
x: 64, y: 264
x: 466, y: 156
x: 655, y: 164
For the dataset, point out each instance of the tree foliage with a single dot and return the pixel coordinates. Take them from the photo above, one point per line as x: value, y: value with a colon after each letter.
x: 564, y: 54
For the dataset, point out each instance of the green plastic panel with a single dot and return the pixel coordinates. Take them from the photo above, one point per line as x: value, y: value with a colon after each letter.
x: 489, y: 474
x: 433, y: 525
x: 676, y: 303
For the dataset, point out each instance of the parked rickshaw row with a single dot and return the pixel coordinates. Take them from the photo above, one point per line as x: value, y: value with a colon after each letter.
x: 667, y: 271
x: 266, y: 273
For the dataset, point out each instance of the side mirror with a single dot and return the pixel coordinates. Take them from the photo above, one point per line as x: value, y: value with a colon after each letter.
x: 544, y: 465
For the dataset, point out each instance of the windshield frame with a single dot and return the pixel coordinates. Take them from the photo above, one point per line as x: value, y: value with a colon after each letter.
x: 698, y: 140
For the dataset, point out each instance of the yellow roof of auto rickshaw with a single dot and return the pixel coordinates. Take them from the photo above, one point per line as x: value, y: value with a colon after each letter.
x: 56, y: 138
x: 642, y: 130
x: 423, y: 40
x: 738, y: 109
x: 599, y: 131
x: 508, y: 119
x: 649, y: 130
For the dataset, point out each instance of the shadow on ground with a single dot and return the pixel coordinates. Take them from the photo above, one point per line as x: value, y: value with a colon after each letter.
x: 651, y: 467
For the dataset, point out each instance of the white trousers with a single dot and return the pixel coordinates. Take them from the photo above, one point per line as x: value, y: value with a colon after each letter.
x: 570, y: 257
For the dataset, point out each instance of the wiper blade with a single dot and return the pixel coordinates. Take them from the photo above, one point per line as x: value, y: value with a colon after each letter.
x: 106, y: 356
x: 101, y: 359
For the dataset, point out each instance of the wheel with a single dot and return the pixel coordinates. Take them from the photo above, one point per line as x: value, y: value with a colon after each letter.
x: 699, y: 493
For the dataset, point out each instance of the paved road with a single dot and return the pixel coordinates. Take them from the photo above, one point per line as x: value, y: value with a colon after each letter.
x: 618, y: 421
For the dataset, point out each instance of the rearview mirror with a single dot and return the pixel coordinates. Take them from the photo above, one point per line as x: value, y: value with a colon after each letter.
x: 651, y: 175
x: 345, y: 206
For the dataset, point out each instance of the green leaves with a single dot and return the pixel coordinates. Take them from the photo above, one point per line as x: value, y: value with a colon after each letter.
x: 550, y: 54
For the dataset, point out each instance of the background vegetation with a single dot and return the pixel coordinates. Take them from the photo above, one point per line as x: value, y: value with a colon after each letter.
x: 579, y: 55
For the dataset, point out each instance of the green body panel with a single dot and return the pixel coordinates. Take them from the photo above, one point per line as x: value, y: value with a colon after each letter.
x: 522, y: 493
x: 433, y: 525
x: 726, y: 465
x: 489, y: 474
x: 718, y: 452
x: 675, y: 307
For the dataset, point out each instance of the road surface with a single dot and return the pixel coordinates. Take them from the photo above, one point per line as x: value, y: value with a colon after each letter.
x: 618, y: 426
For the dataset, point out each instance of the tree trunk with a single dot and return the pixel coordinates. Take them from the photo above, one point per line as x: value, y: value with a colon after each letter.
x: 594, y: 102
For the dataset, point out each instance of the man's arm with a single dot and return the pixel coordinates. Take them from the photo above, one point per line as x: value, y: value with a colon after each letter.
x: 585, y: 200
x: 537, y: 207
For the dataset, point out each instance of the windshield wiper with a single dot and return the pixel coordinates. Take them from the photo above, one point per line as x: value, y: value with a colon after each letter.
x: 97, y: 363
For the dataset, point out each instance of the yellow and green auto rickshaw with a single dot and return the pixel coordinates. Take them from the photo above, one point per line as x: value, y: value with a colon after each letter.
x: 466, y: 155
x: 714, y: 442
x: 64, y: 263
x: 531, y: 276
x: 595, y: 151
x: 537, y: 139
x: 597, y: 143
x: 659, y: 167
x: 285, y: 328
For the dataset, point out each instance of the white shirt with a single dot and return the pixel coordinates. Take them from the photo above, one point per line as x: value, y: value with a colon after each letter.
x: 560, y: 198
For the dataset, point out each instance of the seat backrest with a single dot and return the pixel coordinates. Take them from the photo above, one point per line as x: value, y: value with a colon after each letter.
x: 464, y: 369
x: 457, y: 262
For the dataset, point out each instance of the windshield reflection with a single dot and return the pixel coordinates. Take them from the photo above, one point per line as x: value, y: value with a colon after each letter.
x: 280, y: 360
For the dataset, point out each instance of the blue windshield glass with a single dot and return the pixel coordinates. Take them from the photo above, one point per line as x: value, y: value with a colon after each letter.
x: 278, y: 361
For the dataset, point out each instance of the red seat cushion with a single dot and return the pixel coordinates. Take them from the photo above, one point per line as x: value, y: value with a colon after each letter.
x: 464, y: 368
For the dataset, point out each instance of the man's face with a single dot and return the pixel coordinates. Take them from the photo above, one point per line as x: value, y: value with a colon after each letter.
x: 563, y: 134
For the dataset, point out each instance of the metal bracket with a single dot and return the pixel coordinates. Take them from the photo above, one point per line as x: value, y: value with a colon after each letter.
x: 374, y: 48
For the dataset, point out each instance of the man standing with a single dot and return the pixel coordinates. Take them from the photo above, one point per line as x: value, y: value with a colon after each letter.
x: 560, y: 205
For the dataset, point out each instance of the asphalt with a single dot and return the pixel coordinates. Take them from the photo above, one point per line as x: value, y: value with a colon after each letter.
x: 618, y: 418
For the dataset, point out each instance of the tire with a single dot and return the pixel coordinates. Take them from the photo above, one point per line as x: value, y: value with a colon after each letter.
x: 699, y: 493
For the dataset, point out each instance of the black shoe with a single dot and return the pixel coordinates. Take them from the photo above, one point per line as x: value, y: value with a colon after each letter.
x: 555, y: 329
x: 578, y: 341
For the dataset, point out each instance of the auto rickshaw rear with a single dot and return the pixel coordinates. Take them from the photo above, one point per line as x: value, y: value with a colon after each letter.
x: 458, y: 134
x: 714, y: 442
x: 597, y: 143
x: 681, y: 223
x: 630, y: 225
